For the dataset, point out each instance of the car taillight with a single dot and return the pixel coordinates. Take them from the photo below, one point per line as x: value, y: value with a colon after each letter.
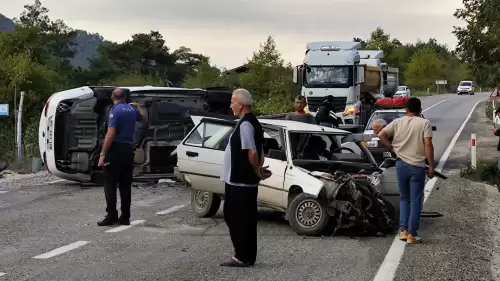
x: 47, y: 106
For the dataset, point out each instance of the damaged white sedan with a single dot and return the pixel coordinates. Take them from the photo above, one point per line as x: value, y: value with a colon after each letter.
x: 321, y: 176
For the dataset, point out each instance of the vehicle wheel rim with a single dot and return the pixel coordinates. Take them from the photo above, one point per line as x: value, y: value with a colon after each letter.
x: 309, y: 214
x: 201, y: 200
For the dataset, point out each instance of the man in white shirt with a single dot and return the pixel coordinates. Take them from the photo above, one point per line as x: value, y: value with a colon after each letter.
x: 412, y: 143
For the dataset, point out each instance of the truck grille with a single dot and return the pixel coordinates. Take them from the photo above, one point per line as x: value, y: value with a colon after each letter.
x: 315, y: 102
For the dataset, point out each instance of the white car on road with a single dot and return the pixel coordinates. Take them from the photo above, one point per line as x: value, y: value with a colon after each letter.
x: 300, y: 186
x: 466, y: 87
x: 403, y: 91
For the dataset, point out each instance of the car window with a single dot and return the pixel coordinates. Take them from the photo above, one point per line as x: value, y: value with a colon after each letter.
x: 387, y: 116
x: 465, y: 84
x: 210, y: 135
x: 312, y: 145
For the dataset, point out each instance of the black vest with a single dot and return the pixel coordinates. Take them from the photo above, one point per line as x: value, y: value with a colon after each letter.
x: 241, y: 169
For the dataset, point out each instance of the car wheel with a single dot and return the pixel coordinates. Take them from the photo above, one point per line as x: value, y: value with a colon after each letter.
x: 97, y: 178
x: 307, y: 215
x: 205, y: 204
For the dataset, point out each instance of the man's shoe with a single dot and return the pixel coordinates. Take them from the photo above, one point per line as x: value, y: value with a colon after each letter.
x: 234, y: 263
x: 403, y: 235
x: 107, y: 221
x: 124, y: 221
x: 413, y: 239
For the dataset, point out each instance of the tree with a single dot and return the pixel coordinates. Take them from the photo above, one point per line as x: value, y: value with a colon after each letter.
x: 478, y: 40
x: 204, y: 76
x: 424, y: 69
x: 269, y: 80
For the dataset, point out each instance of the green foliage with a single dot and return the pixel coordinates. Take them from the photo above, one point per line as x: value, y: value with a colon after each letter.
x: 478, y: 40
x: 424, y: 67
x: 268, y: 78
x: 486, y: 171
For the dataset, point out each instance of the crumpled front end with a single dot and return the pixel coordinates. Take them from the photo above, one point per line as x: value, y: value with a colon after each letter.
x: 356, y: 202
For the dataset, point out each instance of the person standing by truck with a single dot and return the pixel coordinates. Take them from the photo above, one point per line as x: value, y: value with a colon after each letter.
x: 300, y: 115
x: 323, y: 116
x: 412, y: 143
x: 117, y: 156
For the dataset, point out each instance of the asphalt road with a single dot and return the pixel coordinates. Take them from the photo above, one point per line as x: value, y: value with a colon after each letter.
x: 48, y: 232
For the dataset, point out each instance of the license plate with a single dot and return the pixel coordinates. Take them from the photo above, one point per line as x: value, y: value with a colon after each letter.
x: 387, y: 154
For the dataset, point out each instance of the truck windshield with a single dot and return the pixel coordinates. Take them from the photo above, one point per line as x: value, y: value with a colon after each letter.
x: 333, y: 75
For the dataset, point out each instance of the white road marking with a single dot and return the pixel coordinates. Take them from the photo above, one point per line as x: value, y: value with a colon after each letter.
x: 3, y: 273
x: 62, y: 250
x: 123, y: 227
x: 170, y: 210
x: 436, y: 104
x: 3, y: 191
x: 387, y: 270
x: 56, y: 181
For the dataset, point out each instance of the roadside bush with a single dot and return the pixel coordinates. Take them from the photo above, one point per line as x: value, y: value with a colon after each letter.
x: 488, y: 110
x: 486, y: 171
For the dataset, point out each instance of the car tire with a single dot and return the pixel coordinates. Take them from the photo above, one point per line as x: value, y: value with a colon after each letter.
x: 97, y: 178
x: 307, y: 216
x: 205, y: 204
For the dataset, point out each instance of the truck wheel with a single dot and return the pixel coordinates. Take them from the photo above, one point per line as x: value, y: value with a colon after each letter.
x: 307, y: 215
x: 205, y: 204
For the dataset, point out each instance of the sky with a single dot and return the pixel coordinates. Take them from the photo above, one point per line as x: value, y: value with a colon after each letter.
x: 229, y: 31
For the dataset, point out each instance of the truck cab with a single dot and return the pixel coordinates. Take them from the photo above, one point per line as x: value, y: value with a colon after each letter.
x: 354, y: 78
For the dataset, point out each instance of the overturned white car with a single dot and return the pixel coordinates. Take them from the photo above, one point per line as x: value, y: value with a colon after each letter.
x: 320, y: 175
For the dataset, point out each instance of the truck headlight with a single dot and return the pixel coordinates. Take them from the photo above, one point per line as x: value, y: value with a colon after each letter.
x: 351, y: 111
x: 372, y: 143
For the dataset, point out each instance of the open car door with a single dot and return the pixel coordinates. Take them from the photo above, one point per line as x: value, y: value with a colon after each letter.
x: 201, y: 154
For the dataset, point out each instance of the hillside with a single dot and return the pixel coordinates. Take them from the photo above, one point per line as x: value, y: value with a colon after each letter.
x: 6, y: 24
x: 87, y: 44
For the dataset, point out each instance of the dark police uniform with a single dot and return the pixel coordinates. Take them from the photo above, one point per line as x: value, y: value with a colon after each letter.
x: 118, y: 161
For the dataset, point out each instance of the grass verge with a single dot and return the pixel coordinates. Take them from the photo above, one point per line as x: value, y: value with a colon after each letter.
x: 486, y: 172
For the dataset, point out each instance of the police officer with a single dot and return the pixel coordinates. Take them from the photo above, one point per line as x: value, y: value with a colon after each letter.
x: 117, y: 156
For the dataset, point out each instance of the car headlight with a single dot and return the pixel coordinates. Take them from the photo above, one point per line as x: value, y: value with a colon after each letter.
x: 372, y: 143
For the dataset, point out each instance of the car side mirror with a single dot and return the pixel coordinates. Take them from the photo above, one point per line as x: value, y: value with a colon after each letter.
x: 388, y: 163
x: 434, y: 128
x: 277, y: 154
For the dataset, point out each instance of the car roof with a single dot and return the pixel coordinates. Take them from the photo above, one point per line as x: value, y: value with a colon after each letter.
x: 148, y: 87
x: 301, y: 126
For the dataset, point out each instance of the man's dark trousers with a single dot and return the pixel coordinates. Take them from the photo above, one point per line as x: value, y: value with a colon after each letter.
x: 240, y: 214
x: 118, y: 166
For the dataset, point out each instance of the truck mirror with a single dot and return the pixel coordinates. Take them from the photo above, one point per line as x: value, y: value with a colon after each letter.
x: 361, y: 75
x: 298, y: 74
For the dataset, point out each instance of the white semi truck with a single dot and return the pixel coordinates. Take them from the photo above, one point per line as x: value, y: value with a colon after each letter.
x: 355, y: 78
